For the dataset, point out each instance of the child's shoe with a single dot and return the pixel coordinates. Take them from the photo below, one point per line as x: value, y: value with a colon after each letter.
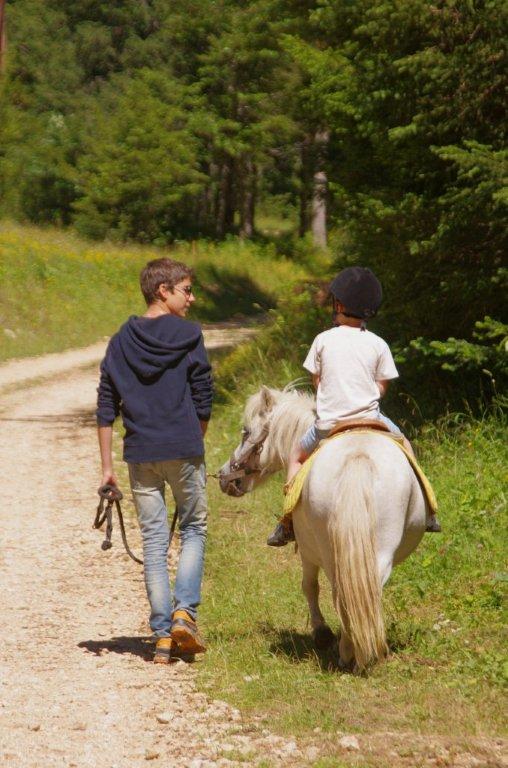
x: 282, y: 534
x: 433, y: 525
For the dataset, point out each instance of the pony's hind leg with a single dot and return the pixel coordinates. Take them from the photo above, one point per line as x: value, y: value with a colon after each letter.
x: 384, y: 567
x: 321, y: 632
x: 346, y: 652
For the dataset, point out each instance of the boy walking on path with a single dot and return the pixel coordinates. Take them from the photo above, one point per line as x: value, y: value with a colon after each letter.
x: 156, y: 374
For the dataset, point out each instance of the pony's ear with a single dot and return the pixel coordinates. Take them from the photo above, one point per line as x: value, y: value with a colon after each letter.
x: 267, y: 399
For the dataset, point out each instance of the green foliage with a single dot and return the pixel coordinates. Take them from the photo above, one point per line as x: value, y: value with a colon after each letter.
x: 412, y: 96
x: 490, y: 353
x: 140, y: 172
x: 37, y: 140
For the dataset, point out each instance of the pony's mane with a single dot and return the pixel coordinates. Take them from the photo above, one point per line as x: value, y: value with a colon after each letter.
x: 292, y: 414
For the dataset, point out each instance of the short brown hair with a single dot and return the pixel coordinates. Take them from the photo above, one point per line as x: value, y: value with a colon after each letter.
x: 161, y: 271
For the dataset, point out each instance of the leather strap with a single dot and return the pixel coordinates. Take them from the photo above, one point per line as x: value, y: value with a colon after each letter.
x: 343, y: 426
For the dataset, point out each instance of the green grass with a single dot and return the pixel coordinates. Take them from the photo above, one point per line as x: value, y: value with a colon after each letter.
x: 58, y: 291
x: 443, y: 606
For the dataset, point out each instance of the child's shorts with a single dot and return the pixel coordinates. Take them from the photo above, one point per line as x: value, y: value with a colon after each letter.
x: 312, y: 437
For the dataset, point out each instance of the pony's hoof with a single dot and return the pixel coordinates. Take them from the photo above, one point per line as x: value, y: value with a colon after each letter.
x: 323, y: 637
x: 346, y: 666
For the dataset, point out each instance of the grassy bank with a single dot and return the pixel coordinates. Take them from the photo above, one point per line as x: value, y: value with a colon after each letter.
x: 58, y: 291
x: 443, y: 606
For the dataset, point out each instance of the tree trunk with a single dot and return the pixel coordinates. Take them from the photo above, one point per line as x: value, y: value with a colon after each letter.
x: 319, y: 191
x: 304, y: 187
x: 319, y: 209
x: 225, y: 209
x: 248, y: 199
x: 3, y: 36
x: 229, y: 213
x: 207, y: 199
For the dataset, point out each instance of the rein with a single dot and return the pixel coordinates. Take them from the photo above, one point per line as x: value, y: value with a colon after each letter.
x: 111, y: 495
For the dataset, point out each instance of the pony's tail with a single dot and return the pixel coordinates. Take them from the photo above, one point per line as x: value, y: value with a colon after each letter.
x: 356, y: 583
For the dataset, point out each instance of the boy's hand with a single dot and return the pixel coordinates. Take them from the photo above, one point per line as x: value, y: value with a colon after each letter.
x: 109, y: 478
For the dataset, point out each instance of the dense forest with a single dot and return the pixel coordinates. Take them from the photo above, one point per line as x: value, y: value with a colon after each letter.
x: 377, y: 127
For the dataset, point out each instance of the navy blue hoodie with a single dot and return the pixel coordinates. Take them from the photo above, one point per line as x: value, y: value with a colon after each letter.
x: 157, y: 375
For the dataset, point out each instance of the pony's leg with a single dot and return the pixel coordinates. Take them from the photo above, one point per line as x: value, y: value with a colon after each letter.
x: 384, y: 566
x: 321, y: 632
x: 346, y: 651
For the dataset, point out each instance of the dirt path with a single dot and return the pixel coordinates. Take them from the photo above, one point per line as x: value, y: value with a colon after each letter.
x: 77, y: 687
x: 218, y: 336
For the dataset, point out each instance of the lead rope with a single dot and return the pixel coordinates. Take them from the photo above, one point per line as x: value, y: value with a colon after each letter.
x: 111, y: 495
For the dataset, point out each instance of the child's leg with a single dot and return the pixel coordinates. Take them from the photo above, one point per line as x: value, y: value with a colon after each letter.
x: 409, y: 448
x: 295, y: 461
x: 300, y: 451
x: 396, y: 431
x: 432, y: 525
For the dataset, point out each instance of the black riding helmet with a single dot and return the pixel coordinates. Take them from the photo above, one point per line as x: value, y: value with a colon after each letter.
x: 359, y: 290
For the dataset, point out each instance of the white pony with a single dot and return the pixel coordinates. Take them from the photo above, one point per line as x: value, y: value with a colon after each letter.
x: 361, y: 512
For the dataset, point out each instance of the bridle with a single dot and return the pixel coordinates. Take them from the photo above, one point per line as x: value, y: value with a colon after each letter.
x: 247, y: 462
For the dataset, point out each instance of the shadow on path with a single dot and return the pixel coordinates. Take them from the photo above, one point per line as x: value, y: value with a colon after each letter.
x: 143, y: 647
x: 134, y: 646
x: 80, y: 418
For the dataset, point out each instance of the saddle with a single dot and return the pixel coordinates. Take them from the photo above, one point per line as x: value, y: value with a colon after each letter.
x: 294, y: 489
x: 345, y: 426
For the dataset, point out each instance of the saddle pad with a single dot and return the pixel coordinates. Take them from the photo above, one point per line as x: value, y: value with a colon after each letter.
x: 294, y: 489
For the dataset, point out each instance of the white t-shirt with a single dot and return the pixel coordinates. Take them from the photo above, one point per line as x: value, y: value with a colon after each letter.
x: 348, y: 362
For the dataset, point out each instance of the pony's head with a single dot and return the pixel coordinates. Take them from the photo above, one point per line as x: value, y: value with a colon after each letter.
x: 272, y: 420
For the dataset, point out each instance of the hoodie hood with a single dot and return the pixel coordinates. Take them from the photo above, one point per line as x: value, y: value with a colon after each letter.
x: 152, y: 344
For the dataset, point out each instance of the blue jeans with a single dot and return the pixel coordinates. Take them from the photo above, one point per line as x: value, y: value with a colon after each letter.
x: 313, y: 436
x: 187, y: 480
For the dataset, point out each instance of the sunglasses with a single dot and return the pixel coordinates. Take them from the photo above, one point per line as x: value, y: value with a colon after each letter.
x: 187, y: 289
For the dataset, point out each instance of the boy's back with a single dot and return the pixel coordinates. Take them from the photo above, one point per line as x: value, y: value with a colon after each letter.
x: 157, y: 374
x: 349, y: 361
